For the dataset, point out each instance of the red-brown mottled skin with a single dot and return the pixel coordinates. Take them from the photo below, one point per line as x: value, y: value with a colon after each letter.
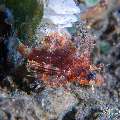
x: 57, y: 63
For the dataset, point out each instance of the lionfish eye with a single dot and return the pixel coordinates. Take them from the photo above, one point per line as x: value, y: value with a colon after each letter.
x: 91, y: 76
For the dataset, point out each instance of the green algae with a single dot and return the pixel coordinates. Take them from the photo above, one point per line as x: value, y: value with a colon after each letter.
x: 27, y: 15
x: 104, y: 47
x: 91, y: 2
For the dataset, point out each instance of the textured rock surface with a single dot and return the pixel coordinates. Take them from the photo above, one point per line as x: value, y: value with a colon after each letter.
x: 50, y: 104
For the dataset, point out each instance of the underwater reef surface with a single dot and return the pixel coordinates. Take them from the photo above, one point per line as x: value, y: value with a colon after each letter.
x: 24, y: 97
